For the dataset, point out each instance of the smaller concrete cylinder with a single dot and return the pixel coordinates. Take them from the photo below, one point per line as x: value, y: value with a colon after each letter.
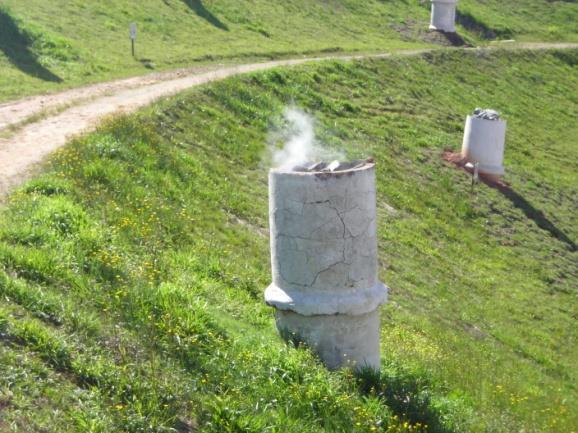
x: 484, y: 142
x: 340, y: 340
x: 324, y: 263
x: 443, y: 15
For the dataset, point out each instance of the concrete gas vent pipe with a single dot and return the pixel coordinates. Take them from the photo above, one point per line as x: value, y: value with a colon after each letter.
x: 443, y: 15
x: 324, y: 261
x: 484, y: 141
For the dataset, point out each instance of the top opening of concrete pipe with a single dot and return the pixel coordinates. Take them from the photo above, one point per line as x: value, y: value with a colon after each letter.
x: 330, y: 167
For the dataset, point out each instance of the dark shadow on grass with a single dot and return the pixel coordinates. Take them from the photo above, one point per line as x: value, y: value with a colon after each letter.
x: 408, y: 397
x: 147, y: 63
x: 570, y: 57
x: 474, y: 25
x: 517, y: 200
x: 15, y: 44
x: 530, y: 211
x: 452, y: 39
x: 199, y: 8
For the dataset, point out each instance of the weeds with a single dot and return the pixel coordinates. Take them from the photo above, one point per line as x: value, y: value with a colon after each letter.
x: 131, y: 272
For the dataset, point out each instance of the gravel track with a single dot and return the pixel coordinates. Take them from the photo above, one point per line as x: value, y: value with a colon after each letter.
x: 36, y: 126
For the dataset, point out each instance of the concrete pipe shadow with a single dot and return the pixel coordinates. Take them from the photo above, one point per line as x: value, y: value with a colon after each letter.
x: 406, y: 395
x: 199, y: 8
x: 530, y: 211
x: 536, y: 215
x: 474, y: 25
x: 453, y: 38
x: 16, y: 46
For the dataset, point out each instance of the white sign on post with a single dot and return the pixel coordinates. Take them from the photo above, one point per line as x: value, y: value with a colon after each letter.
x: 132, y: 31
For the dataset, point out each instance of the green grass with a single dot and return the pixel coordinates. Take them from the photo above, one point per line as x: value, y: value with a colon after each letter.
x: 46, y: 46
x: 132, y: 272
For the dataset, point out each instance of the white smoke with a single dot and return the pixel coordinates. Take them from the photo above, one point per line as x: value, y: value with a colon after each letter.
x: 300, y: 144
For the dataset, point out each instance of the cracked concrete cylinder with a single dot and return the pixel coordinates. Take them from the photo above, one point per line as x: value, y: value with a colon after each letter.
x: 324, y: 263
x: 484, y: 142
x: 443, y: 15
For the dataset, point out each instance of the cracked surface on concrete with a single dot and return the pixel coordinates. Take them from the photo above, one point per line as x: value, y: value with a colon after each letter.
x: 323, y: 242
x: 324, y: 259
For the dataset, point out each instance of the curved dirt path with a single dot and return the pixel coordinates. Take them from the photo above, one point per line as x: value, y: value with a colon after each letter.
x: 65, y: 114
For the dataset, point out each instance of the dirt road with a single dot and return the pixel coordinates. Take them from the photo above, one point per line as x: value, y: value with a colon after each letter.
x: 34, y: 127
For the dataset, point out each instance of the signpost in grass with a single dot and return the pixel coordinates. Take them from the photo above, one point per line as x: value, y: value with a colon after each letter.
x: 132, y: 29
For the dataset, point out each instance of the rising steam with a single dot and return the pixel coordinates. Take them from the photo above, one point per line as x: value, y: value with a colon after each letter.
x: 300, y: 145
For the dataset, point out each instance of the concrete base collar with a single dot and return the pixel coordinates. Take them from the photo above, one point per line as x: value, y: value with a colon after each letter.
x: 309, y: 303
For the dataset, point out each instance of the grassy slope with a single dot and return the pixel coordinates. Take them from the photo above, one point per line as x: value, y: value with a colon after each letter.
x: 78, y: 41
x: 520, y: 20
x: 132, y: 272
